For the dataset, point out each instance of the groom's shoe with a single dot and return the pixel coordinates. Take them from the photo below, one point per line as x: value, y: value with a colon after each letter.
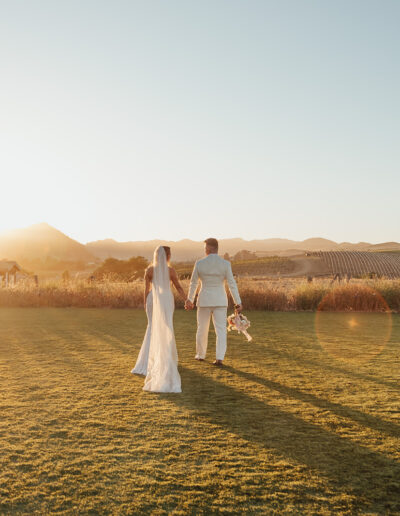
x: 218, y: 363
x: 199, y: 359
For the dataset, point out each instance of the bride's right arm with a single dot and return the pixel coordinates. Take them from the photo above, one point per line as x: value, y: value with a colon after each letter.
x: 147, y: 285
x: 175, y: 281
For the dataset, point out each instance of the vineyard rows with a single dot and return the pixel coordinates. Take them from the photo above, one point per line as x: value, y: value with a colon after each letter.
x: 359, y: 263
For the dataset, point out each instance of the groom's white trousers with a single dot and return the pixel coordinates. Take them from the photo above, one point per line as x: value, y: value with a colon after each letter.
x: 218, y: 314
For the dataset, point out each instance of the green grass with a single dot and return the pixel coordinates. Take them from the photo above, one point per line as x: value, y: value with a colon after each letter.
x: 284, y: 428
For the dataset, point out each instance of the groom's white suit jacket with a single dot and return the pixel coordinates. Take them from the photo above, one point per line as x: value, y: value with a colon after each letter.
x: 212, y: 271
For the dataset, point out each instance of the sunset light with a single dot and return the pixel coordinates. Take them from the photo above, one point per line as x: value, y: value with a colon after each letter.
x: 200, y: 257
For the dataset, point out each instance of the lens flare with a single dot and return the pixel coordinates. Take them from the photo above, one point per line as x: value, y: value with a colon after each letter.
x: 353, y: 322
x: 355, y: 337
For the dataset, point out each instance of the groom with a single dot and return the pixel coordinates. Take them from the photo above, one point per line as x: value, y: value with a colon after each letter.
x: 212, y: 271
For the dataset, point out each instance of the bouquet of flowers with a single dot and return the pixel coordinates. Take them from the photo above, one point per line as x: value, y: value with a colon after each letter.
x: 240, y: 323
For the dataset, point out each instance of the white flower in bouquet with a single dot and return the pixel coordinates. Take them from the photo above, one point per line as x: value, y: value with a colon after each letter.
x: 240, y: 323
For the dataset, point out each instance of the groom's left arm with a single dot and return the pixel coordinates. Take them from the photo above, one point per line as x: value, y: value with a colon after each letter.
x: 233, y: 289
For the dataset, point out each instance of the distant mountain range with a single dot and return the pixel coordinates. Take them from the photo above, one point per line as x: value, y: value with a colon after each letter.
x: 42, y: 241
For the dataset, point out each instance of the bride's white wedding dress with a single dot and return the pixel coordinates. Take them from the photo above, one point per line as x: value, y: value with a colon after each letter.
x: 158, y: 357
x: 143, y: 357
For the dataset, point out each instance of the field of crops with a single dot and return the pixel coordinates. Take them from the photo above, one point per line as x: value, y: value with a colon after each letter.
x: 270, y: 265
x: 358, y: 263
x: 264, y: 266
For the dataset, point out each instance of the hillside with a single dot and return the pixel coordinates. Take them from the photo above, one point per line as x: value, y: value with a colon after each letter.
x: 42, y: 242
x: 187, y: 250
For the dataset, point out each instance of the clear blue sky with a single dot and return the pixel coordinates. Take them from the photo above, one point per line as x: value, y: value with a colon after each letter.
x: 143, y: 119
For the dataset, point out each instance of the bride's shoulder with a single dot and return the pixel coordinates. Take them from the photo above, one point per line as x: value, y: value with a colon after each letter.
x: 149, y: 271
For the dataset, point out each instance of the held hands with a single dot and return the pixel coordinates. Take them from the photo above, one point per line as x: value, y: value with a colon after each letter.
x: 189, y: 305
x: 238, y: 308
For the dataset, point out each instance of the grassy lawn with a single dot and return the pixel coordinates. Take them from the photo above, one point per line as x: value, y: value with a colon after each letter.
x: 287, y: 427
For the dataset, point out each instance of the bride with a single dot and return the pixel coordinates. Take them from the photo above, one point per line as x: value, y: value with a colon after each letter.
x: 158, y: 358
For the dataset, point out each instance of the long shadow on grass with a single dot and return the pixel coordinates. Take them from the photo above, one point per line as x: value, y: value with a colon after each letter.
x: 369, y: 475
x: 362, y: 418
x: 300, y: 360
x: 344, y: 371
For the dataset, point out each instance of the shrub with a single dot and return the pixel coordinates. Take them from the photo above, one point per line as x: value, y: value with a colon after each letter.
x: 308, y: 296
x: 360, y: 298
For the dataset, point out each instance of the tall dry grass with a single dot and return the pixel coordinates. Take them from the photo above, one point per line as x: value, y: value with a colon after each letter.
x: 299, y: 295
x: 270, y: 295
x: 77, y: 293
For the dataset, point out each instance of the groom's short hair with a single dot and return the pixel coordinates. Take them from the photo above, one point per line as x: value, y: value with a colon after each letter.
x: 212, y: 242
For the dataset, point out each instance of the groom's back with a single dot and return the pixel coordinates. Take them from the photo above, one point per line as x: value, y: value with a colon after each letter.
x: 212, y: 266
x: 212, y: 273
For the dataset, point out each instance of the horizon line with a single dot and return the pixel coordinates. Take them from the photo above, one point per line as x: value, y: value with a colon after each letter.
x: 158, y: 239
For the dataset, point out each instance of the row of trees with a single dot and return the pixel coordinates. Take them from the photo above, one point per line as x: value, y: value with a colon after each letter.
x: 121, y: 270
x: 241, y: 256
x: 129, y: 270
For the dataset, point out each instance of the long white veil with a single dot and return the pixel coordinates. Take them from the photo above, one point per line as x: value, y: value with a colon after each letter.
x: 162, y: 370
